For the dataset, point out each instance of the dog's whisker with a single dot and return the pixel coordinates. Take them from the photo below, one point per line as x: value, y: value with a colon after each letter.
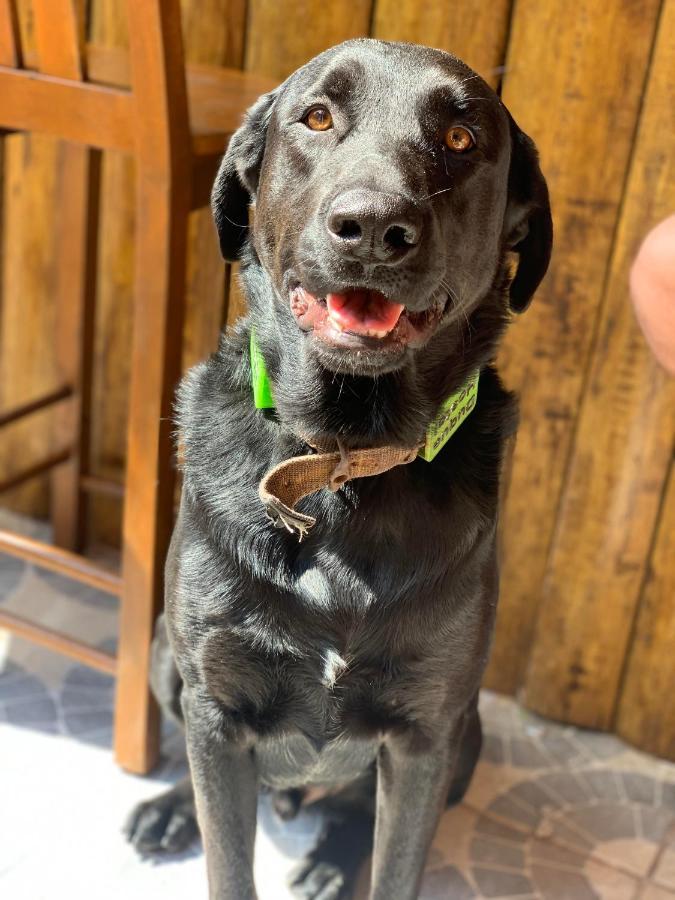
x: 436, y: 193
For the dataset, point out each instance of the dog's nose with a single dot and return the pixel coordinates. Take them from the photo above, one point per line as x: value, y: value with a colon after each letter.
x: 371, y: 225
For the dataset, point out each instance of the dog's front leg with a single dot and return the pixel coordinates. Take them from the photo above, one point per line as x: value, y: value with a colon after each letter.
x: 226, y: 791
x: 412, y: 788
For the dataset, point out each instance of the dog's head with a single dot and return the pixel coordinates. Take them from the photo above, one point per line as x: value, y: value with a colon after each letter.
x: 389, y: 185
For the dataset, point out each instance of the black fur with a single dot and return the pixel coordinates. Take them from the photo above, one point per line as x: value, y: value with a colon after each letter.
x: 364, y: 645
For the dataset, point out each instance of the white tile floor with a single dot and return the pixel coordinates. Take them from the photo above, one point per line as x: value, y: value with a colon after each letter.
x: 62, y: 800
x: 553, y: 812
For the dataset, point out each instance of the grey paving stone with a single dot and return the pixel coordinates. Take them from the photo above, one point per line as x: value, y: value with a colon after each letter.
x: 98, y: 738
x: 603, y: 784
x: 599, y: 744
x: 605, y: 822
x: 563, y: 749
x: 39, y: 714
x: 493, y: 883
x: 546, y: 851
x: 11, y: 572
x: 92, y: 720
x: 566, y: 786
x: 486, y: 825
x: 75, y: 698
x: 530, y: 793
x: 562, y: 885
x: 656, y: 822
x: 493, y: 852
x: 526, y: 754
x: 75, y: 590
x: 82, y: 676
x: 493, y: 749
x: 570, y: 837
x: 639, y: 788
x: 20, y: 684
x: 445, y: 883
x: 668, y: 795
x: 508, y: 809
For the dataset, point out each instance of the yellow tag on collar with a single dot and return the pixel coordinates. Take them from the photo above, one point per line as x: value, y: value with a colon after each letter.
x: 450, y: 416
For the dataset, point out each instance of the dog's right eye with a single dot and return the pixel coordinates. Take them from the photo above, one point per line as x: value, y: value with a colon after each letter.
x: 459, y: 139
x: 318, y: 119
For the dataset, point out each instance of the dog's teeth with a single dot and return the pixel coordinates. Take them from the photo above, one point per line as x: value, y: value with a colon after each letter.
x: 335, y: 322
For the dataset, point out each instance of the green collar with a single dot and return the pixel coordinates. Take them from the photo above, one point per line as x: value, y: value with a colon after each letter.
x: 454, y: 410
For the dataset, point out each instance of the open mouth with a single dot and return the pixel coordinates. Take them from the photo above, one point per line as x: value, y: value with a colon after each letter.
x: 360, y: 318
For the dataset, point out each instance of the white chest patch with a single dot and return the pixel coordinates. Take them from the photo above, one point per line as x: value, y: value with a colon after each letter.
x: 333, y: 666
x: 314, y: 586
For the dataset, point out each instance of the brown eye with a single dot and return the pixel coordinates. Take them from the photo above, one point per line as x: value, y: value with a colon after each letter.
x: 319, y: 119
x: 459, y: 139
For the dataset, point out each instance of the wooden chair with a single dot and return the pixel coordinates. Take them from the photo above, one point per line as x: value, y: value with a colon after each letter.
x: 175, y: 122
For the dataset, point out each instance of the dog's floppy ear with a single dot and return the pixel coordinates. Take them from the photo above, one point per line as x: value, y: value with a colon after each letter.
x: 237, y: 178
x: 528, y: 229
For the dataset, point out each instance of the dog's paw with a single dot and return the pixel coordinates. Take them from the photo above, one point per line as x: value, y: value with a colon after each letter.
x: 331, y: 870
x: 165, y: 824
x: 317, y: 880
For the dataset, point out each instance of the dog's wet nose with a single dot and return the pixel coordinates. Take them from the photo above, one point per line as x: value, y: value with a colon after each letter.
x: 374, y: 226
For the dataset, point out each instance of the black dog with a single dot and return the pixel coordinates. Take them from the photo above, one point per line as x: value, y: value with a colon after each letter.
x: 393, y: 194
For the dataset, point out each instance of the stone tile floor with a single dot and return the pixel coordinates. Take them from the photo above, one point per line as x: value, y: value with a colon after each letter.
x: 553, y: 812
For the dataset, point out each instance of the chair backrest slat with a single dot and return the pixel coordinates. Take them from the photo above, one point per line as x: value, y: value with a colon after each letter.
x: 59, y: 37
x: 151, y: 120
x: 10, y: 40
x: 158, y: 81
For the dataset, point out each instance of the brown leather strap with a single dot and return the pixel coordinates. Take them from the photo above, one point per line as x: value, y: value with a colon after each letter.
x: 289, y: 481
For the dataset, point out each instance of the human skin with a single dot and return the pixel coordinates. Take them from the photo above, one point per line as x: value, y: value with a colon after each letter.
x: 652, y: 285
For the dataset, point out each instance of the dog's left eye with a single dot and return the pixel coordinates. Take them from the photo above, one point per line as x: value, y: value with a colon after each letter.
x: 459, y: 139
x: 318, y: 119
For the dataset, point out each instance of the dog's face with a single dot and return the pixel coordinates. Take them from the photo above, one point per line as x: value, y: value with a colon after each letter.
x: 389, y: 183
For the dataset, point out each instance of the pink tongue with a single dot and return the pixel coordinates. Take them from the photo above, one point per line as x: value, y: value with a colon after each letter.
x: 363, y: 312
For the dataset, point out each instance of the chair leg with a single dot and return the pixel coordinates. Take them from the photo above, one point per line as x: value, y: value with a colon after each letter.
x: 75, y: 307
x: 161, y: 246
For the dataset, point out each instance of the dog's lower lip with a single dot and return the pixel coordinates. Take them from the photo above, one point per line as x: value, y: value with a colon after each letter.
x: 356, y: 311
x: 411, y: 329
x: 393, y: 329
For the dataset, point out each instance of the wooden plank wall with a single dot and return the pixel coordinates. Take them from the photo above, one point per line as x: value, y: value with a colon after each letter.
x: 588, y: 591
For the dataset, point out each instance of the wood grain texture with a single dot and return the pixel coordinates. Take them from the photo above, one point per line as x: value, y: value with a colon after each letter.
x: 283, y: 34
x: 74, y: 285
x: 213, y: 34
x: 213, y: 31
x: 10, y: 41
x: 646, y: 713
x: 577, y: 93
x: 59, y: 642
x: 620, y: 462
x: 163, y: 196
x: 78, y: 113
x: 28, y: 367
x: 59, y: 37
x: 475, y: 31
